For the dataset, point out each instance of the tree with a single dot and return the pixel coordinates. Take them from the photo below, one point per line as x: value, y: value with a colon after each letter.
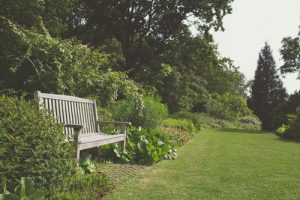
x: 267, y: 88
x: 290, y: 53
x: 38, y: 14
x: 145, y: 27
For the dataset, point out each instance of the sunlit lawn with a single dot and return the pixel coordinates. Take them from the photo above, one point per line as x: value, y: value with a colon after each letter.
x: 222, y: 164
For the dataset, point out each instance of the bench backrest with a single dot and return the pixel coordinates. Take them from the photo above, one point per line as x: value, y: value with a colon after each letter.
x: 70, y: 110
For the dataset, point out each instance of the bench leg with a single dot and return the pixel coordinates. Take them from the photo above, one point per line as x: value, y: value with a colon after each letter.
x: 76, y: 142
x: 123, y: 143
x: 77, y: 154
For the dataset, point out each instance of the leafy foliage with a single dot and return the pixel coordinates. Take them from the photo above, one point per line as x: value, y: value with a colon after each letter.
x: 86, y: 163
x: 183, y: 124
x: 25, y: 190
x: 195, y: 71
x: 36, y: 62
x: 144, y: 147
x: 179, y: 130
x: 290, y: 52
x: 143, y: 28
x: 33, y: 14
x: 203, y: 120
x: 152, y: 113
x: 292, y: 129
x: 250, y: 122
x: 228, y: 106
x: 31, y: 144
x: 267, y: 90
x: 194, y: 117
x: 287, y: 107
x: 26, y: 13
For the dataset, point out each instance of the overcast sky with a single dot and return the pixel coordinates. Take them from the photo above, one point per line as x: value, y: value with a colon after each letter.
x: 251, y: 24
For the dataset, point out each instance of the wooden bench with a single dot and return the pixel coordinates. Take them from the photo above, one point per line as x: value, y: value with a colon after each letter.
x: 80, y: 119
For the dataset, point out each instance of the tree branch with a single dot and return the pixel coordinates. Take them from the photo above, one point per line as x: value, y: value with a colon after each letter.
x: 34, y: 68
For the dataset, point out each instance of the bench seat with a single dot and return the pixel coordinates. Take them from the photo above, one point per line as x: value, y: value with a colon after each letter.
x: 90, y: 140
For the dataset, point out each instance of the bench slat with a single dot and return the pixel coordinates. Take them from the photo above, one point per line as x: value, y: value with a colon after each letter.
x: 64, y: 97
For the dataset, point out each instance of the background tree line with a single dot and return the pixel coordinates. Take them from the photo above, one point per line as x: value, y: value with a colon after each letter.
x: 148, y: 41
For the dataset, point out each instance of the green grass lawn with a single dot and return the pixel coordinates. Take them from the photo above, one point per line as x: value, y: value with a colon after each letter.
x: 222, y: 164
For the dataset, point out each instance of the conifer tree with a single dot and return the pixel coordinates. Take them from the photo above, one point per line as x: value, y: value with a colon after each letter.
x: 267, y: 90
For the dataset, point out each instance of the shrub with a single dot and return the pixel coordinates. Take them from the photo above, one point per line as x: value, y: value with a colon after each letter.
x: 250, y: 122
x: 32, y: 145
x: 292, y: 129
x: 203, y: 120
x: 142, y: 146
x: 281, y: 131
x: 183, y: 124
x: 228, y: 106
x: 150, y: 116
x: 206, y: 121
x: 194, y: 117
x: 282, y: 110
x: 179, y: 137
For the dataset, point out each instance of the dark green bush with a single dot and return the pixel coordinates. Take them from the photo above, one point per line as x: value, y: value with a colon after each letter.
x: 288, y: 107
x: 142, y: 146
x: 150, y: 116
x: 32, y: 145
x: 292, y: 129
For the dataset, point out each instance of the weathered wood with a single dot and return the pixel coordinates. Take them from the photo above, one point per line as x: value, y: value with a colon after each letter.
x: 80, y: 120
x: 76, y: 139
x: 114, y: 122
x: 123, y: 131
x: 63, y: 97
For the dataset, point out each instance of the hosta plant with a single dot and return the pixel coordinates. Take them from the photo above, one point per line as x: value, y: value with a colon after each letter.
x: 86, y: 163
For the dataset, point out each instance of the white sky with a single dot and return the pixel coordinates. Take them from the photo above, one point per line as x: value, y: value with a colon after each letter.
x: 251, y: 24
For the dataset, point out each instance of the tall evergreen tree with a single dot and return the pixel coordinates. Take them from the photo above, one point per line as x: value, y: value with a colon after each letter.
x: 267, y: 89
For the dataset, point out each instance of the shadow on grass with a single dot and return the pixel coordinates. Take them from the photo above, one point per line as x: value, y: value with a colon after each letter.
x: 247, y: 131
x: 237, y: 130
x: 288, y: 140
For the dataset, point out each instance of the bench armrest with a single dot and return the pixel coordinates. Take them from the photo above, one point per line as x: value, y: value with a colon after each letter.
x: 74, y: 126
x: 114, y: 122
x: 77, y: 130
